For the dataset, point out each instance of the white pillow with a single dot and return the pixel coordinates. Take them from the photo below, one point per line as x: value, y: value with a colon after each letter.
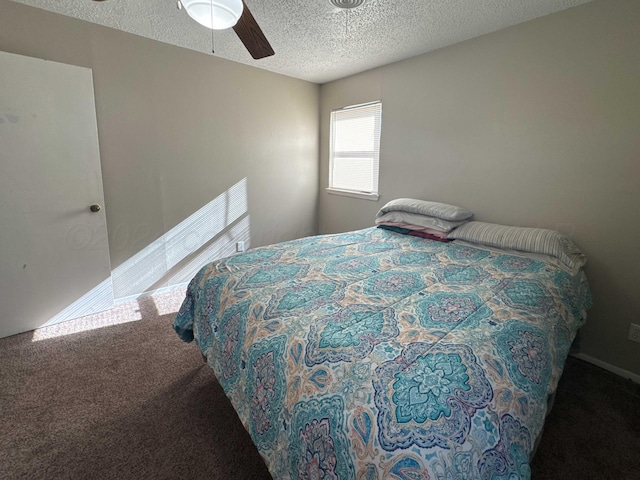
x: 431, y: 209
x: 420, y: 220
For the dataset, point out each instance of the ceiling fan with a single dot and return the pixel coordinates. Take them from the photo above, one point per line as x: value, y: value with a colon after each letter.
x: 223, y: 14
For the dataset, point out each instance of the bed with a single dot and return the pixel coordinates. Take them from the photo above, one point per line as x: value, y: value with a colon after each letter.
x: 375, y: 354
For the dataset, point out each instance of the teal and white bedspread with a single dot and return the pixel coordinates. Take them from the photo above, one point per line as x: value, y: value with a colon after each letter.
x: 377, y: 355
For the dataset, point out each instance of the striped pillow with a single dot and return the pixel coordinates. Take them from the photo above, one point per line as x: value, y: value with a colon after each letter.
x: 534, y: 240
x: 444, y: 211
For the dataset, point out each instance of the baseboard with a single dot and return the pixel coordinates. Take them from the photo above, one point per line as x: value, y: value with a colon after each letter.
x: 634, y: 377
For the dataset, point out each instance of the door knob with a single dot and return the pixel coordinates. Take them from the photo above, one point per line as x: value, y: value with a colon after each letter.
x: 95, y: 208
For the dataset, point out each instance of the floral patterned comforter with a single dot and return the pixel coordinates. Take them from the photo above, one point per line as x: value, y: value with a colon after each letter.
x: 376, y: 355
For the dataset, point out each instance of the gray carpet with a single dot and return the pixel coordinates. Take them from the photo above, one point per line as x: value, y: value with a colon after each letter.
x: 131, y: 401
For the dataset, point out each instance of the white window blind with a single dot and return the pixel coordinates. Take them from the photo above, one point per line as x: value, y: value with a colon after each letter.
x: 355, y: 149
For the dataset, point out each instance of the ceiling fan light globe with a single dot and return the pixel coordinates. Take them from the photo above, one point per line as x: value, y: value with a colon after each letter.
x: 214, y: 14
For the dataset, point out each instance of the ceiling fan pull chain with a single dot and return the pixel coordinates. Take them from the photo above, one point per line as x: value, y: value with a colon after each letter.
x: 346, y: 25
x: 213, y: 50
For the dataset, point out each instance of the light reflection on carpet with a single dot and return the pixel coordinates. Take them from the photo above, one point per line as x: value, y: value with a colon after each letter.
x: 130, y: 310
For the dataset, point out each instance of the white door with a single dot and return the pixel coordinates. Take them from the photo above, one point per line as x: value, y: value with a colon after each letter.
x: 54, y: 255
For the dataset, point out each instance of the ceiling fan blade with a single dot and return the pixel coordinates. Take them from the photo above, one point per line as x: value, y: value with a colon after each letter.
x: 250, y: 33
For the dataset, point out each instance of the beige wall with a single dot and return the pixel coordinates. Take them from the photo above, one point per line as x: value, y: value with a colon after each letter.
x: 535, y: 125
x: 177, y: 130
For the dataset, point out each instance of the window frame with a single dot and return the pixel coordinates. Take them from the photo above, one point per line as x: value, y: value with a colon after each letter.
x: 333, y: 155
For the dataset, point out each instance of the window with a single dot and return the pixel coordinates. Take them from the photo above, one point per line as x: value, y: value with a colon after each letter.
x: 355, y: 150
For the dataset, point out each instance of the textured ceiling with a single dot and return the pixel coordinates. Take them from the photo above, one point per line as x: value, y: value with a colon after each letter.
x: 313, y: 39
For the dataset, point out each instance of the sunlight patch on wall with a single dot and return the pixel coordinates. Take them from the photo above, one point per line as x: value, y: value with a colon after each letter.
x: 220, y: 247
x: 148, y: 267
x: 95, y: 300
x: 208, y: 234
x: 208, y: 222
